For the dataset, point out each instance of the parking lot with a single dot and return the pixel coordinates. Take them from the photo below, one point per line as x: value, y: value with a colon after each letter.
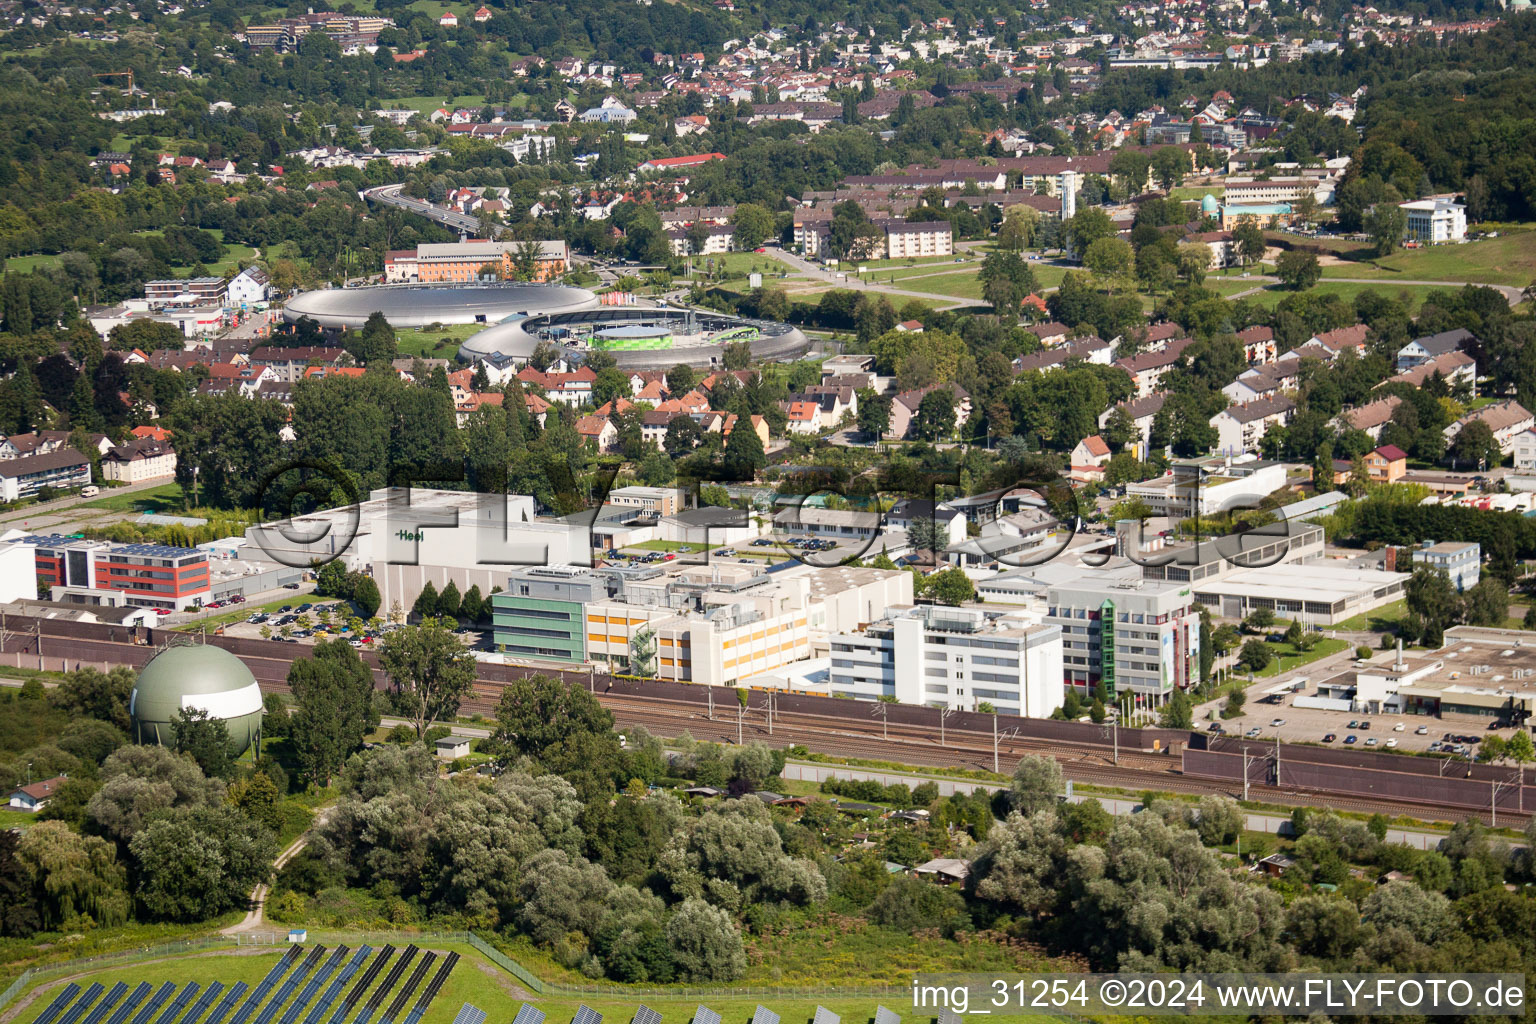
x: 1416, y: 733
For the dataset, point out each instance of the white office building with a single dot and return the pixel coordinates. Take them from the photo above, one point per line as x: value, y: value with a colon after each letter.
x: 1435, y: 220
x: 1135, y: 635
x: 957, y: 658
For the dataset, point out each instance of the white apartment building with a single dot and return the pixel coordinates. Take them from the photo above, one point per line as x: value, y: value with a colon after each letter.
x: 904, y: 240
x: 953, y: 657
x: 1431, y: 221
x: 1209, y: 486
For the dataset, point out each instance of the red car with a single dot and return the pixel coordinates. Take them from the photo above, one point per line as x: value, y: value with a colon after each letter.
x: 162, y: 611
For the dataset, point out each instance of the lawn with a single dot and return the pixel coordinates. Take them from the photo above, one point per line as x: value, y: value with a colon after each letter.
x: 436, y: 343
x: 15, y: 819
x: 1288, y: 657
x: 1509, y: 259
x: 1413, y: 295
x: 1380, y: 620
x: 27, y: 264
x: 665, y: 545
x: 963, y: 285
x: 478, y: 982
x: 155, y: 500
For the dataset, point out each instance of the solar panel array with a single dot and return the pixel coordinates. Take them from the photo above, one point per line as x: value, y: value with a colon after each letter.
x: 430, y: 992
x: 471, y: 1015
x: 645, y: 1015
x: 53, y: 1009
x: 704, y: 1015
x: 949, y: 1017
x: 372, y: 1006
x: 265, y: 985
x: 763, y: 1015
x: 379, y: 963
x: 884, y: 1016
x: 110, y: 1000
x: 294, y: 981
x: 161, y: 995
x: 307, y: 993
x: 825, y: 1016
x: 130, y: 1004
x: 340, y: 982
x: 78, y: 1010
x: 527, y: 1014
x: 227, y: 1004
x: 586, y: 1015
x: 408, y: 989
x: 198, y: 1009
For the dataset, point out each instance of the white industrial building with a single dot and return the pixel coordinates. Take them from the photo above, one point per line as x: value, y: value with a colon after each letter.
x: 1432, y: 221
x: 957, y: 658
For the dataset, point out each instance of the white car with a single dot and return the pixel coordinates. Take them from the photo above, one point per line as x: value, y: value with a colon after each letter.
x: 1422, y: 730
x: 1392, y: 741
x: 1399, y: 727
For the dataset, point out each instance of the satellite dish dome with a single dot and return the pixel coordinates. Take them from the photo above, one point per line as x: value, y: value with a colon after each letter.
x: 208, y: 678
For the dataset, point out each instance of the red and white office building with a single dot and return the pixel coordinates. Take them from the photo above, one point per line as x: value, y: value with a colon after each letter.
x: 94, y: 572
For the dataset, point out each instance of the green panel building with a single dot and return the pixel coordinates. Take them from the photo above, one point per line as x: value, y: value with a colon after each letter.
x: 542, y: 613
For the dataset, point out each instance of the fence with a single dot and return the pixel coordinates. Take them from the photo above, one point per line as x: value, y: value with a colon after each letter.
x: 15, y: 987
x: 121, y: 956
x: 506, y: 963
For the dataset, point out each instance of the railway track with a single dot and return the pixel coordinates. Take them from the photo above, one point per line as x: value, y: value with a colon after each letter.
x: 859, y: 733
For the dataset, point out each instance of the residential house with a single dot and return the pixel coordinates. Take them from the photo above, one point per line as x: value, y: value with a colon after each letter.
x: 1141, y: 412
x: 599, y: 430
x: 1370, y: 417
x: 249, y: 287
x: 1258, y: 344
x: 140, y: 459
x: 1264, y: 381
x: 573, y: 388
x: 905, y: 405
x: 1089, y: 458
x: 804, y: 417
x: 1422, y: 350
x: 1455, y: 368
x: 1329, y: 344
x: 1387, y: 464
x: 34, y: 796
x: 1240, y: 428
x: 1148, y: 368
x: 1507, y: 419
x: 1461, y: 560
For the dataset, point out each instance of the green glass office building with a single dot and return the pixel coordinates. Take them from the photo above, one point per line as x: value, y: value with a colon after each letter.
x: 542, y: 613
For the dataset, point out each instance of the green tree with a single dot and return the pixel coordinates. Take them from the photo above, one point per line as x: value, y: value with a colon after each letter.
x: 374, y: 342
x: 1476, y: 446
x: 206, y: 739
x: 751, y: 225
x: 333, y: 708
x: 874, y: 414
x: 1110, y: 260
x: 1387, y: 224
x: 430, y: 673
x: 1299, y: 270
x: 73, y: 881
x: 744, y: 455
x: 449, y: 603
x: 366, y: 597
x: 1037, y: 783
x: 705, y: 942
x: 1248, y: 240
x: 196, y: 863
x: 935, y: 419
x: 950, y: 586
x: 1255, y: 655
x: 1178, y: 712
x: 426, y: 602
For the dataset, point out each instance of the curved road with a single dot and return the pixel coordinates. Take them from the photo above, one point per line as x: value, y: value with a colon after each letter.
x: 393, y: 195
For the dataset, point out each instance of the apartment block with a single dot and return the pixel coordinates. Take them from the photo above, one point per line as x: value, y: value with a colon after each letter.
x: 958, y: 658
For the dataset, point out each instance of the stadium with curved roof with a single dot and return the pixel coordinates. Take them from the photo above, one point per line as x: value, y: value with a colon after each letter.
x: 638, y: 338
x: 207, y: 678
x: 417, y: 305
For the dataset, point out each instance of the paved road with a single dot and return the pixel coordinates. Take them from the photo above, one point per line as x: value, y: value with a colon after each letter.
x: 820, y: 274
x: 45, y: 514
x: 393, y: 195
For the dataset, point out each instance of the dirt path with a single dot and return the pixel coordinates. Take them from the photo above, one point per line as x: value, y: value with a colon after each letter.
x: 257, y: 914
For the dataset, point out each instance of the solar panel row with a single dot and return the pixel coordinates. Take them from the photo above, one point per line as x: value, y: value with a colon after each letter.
x: 200, y: 1007
x: 586, y: 1015
x: 372, y: 1006
x: 379, y: 963
x: 527, y: 1014
x: 130, y: 1004
x: 340, y: 982
x: 264, y: 986
x: 408, y: 989
x: 78, y: 1010
x: 825, y: 1016
x: 161, y: 995
x: 110, y: 1000
x: 704, y: 1015
x: 53, y: 1009
x: 763, y: 1015
x: 469, y: 1014
x: 884, y: 1016
x: 227, y: 1004
x: 295, y: 979
x: 321, y: 976
x: 645, y: 1015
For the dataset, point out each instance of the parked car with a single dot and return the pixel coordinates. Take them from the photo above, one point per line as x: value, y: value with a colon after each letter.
x: 1251, y: 733
x: 1371, y: 742
x: 1422, y: 730
x: 1213, y: 727
x: 1330, y: 738
x: 1364, y: 726
x: 1399, y: 727
x: 1391, y: 741
x: 1276, y: 723
x: 162, y: 611
x: 1350, y: 740
x: 1354, y: 723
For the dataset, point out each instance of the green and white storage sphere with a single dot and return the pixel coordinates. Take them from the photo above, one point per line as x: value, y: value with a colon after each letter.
x: 208, y: 678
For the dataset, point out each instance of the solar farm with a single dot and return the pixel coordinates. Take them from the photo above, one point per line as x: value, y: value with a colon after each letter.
x: 338, y: 984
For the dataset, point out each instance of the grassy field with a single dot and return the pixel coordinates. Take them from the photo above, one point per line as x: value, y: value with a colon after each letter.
x: 1288, y: 657
x: 15, y: 819
x: 27, y: 264
x: 478, y: 982
x: 441, y: 343
x: 165, y: 498
x: 1381, y: 619
x: 1509, y: 259
x: 1271, y: 294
